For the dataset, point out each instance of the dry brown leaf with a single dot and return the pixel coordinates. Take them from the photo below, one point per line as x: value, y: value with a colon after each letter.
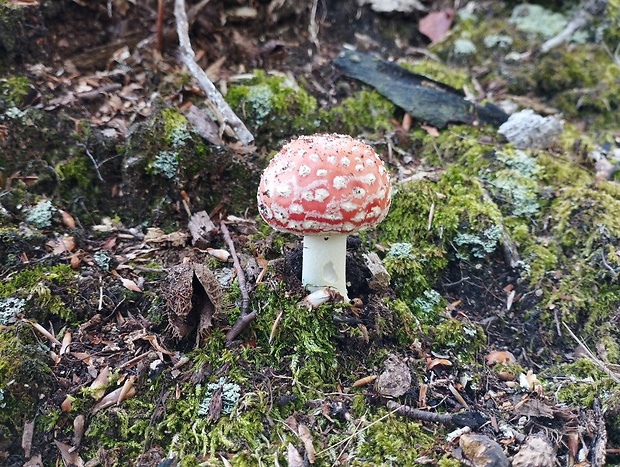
x: 99, y: 385
x: 66, y: 342
x: 293, y: 457
x: 131, y: 285
x: 69, y: 456
x: 27, y: 435
x: 500, y: 356
x: 67, y: 219
x: 433, y: 363
x: 65, y: 406
x: 218, y: 253
x: 127, y: 386
x: 431, y: 130
x: 79, y: 427
x: 35, y: 461
x: 436, y: 24
x: 112, y: 398
x: 48, y: 335
x: 61, y: 245
x: 306, y: 437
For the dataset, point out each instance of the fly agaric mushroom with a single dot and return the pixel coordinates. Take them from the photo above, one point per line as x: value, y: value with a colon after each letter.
x: 324, y: 187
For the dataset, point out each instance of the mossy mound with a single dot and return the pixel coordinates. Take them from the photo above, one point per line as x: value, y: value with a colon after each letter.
x: 164, y: 156
x: 274, y: 107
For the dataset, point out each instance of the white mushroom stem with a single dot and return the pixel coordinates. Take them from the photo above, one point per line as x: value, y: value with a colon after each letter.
x: 324, y: 263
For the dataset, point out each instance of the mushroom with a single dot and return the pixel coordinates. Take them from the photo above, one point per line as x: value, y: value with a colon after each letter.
x: 324, y: 187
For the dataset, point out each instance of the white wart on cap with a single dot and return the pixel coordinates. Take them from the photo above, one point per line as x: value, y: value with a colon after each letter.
x: 324, y: 184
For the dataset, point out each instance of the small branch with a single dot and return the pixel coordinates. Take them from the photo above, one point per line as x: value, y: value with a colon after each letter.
x: 160, y: 25
x: 242, y: 322
x: 187, y: 57
x: 244, y: 318
x: 92, y: 159
x: 598, y: 363
x: 588, y: 10
x: 471, y: 419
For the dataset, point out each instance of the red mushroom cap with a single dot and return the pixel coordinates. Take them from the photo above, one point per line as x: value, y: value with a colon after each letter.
x: 324, y: 184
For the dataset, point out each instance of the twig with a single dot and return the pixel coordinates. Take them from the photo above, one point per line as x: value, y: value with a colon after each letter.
x: 187, y: 57
x: 160, y: 25
x: 242, y: 322
x: 471, y: 419
x: 599, y: 364
x: 92, y: 159
x: 244, y: 318
x: 588, y: 10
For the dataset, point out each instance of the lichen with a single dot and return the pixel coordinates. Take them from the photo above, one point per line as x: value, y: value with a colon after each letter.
x: 537, y: 20
x: 166, y: 164
x: 230, y: 396
x: 40, y: 216
x: 9, y: 307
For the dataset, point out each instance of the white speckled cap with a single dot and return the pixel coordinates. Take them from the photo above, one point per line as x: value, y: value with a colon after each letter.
x: 324, y: 184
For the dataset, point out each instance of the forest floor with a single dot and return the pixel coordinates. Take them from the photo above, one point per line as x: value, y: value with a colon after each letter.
x: 149, y: 317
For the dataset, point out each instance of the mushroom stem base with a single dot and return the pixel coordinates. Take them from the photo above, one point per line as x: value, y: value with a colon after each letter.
x: 324, y: 263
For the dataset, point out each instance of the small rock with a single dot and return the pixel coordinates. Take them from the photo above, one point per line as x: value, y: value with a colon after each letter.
x: 395, y: 379
x: 482, y: 451
x: 528, y: 130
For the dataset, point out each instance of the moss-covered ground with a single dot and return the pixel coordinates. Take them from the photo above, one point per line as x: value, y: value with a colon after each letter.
x: 488, y: 247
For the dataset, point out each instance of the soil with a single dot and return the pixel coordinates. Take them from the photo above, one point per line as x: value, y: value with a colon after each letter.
x: 138, y: 309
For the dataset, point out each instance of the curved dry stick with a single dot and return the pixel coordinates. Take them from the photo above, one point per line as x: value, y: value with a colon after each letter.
x: 187, y: 57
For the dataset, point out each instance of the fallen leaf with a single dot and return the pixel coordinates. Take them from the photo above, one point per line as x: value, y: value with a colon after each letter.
x: 436, y: 24
x: 67, y: 219
x: 113, y: 398
x: 61, y: 245
x: 99, y: 385
x: 293, y: 457
x: 131, y: 285
x: 500, y: 356
x: 69, y: 456
x: 431, y: 130
x: 437, y: 362
x: 27, y: 435
x: 306, y: 438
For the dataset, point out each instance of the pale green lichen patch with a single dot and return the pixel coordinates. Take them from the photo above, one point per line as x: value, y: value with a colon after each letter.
x: 538, y: 20
x: 40, y: 216
x: 9, y: 307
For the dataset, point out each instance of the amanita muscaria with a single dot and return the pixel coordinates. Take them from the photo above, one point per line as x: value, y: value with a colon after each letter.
x: 324, y: 187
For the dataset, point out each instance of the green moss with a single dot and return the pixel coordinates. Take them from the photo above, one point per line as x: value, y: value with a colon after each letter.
x: 582, y: 81
x: 392, y: 440
x: 450, y: 75
x: 303, y: 340
x: 582, y: 382
x: 75, y: 173
x: 274, y: 107
x: 13, y: 89
x: 459, y: 210
x: 41, y: 287
x: 366, y: 112
x: 462, y: 340
x: 24, y: 374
